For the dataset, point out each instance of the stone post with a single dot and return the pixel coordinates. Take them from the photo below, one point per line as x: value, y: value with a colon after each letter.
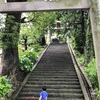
x: 95, y: 24
x: 48, y: 36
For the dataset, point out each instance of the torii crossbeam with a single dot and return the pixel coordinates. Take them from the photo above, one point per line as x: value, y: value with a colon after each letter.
x: 54, y: 5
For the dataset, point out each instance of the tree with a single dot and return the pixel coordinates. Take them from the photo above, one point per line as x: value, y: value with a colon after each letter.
x: 26, y: 35
x: 77, y: 26
x: 37, y: 24
x: 10, y: 46
x: 72, y: 23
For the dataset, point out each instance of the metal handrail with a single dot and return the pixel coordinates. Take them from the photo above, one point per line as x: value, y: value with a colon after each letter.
x: 85, y: 79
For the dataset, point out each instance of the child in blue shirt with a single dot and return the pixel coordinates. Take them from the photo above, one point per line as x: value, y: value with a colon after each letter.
x: 43, y: 94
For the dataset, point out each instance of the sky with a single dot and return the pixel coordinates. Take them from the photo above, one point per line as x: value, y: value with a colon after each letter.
x: 2, y: 17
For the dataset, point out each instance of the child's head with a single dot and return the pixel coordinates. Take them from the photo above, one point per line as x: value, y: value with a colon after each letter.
x: 44, y: 88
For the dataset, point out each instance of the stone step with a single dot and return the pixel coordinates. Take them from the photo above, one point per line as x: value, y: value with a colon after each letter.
x: 53, y: 74
x: 53, y: 86
x: 50, y: 77
x: 49, y: 98
x: 65, y: 95
x: 54, y: 65
x: 53, y: 79
x: 51, y: 67
x: 56, y: 71
x: 60, y: 90
x: 53, y: 82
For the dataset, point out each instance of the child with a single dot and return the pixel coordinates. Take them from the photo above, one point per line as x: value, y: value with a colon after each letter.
x: 43, y: 94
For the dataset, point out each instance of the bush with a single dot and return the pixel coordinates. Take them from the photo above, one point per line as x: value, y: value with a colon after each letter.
x: 5, y: 86
x: 27, y: 60
x: 97, y: 94
x: 80, y: 58
x: 30, y: 54
x: 92, y: 73
x: 36, y: 47
x: 25, y: 64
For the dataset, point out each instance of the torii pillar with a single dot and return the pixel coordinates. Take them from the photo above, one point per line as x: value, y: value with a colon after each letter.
x: 95, y: 24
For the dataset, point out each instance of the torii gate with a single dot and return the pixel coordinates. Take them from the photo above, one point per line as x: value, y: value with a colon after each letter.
x: 61, y: 5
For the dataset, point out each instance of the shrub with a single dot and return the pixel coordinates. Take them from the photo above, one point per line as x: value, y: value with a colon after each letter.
x: 27, y: 60
x: 25, y: 63
x: 20, y: 47
x: 80, y: 59
x: 36, y: 47
x: 5, y: 86
x: 30, y: 54
x: 92, y: 73
x: 97, y: 91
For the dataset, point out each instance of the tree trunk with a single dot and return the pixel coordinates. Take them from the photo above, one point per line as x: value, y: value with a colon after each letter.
x: 10, y: 46
x: 25, y: 41
x: 10, y: 58
x: 25, y: 44
x: 83, y: 35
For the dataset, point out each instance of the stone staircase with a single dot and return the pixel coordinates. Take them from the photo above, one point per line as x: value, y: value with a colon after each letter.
x: 55, y: 71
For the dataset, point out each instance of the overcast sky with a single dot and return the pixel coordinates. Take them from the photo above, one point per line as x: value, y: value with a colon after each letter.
x: 2, y: 17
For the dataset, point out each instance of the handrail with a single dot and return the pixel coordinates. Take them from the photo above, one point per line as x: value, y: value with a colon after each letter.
x: 85, y: 79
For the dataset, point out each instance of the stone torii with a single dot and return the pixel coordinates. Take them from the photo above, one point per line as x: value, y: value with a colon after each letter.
x: 44, y: 5
x: 62, y: 5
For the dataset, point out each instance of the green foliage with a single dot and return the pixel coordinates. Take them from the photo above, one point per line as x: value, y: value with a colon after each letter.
x: 62, y: 37
x: 2, y: 1
x: 71, y: 21
x: 9, y: 35
x: 43, y: 19
x: 80, y: 58
x: 9, y: 40
x: 97, y: 94
x: 5, y: 86
x: 92, y: 73
x: 26, y: 33
x: 35, y: 30
x: 20, y: 49
x: 89, y: 47
x: 27, y: 60
x: 36, y: 47
x: 30, y: 54
x: 25, y: 64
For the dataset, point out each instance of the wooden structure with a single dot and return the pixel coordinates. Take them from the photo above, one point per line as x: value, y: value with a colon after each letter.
x: 60, y: 5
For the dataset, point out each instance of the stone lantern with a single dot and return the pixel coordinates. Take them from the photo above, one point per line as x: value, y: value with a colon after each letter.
x: 58, y: 25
